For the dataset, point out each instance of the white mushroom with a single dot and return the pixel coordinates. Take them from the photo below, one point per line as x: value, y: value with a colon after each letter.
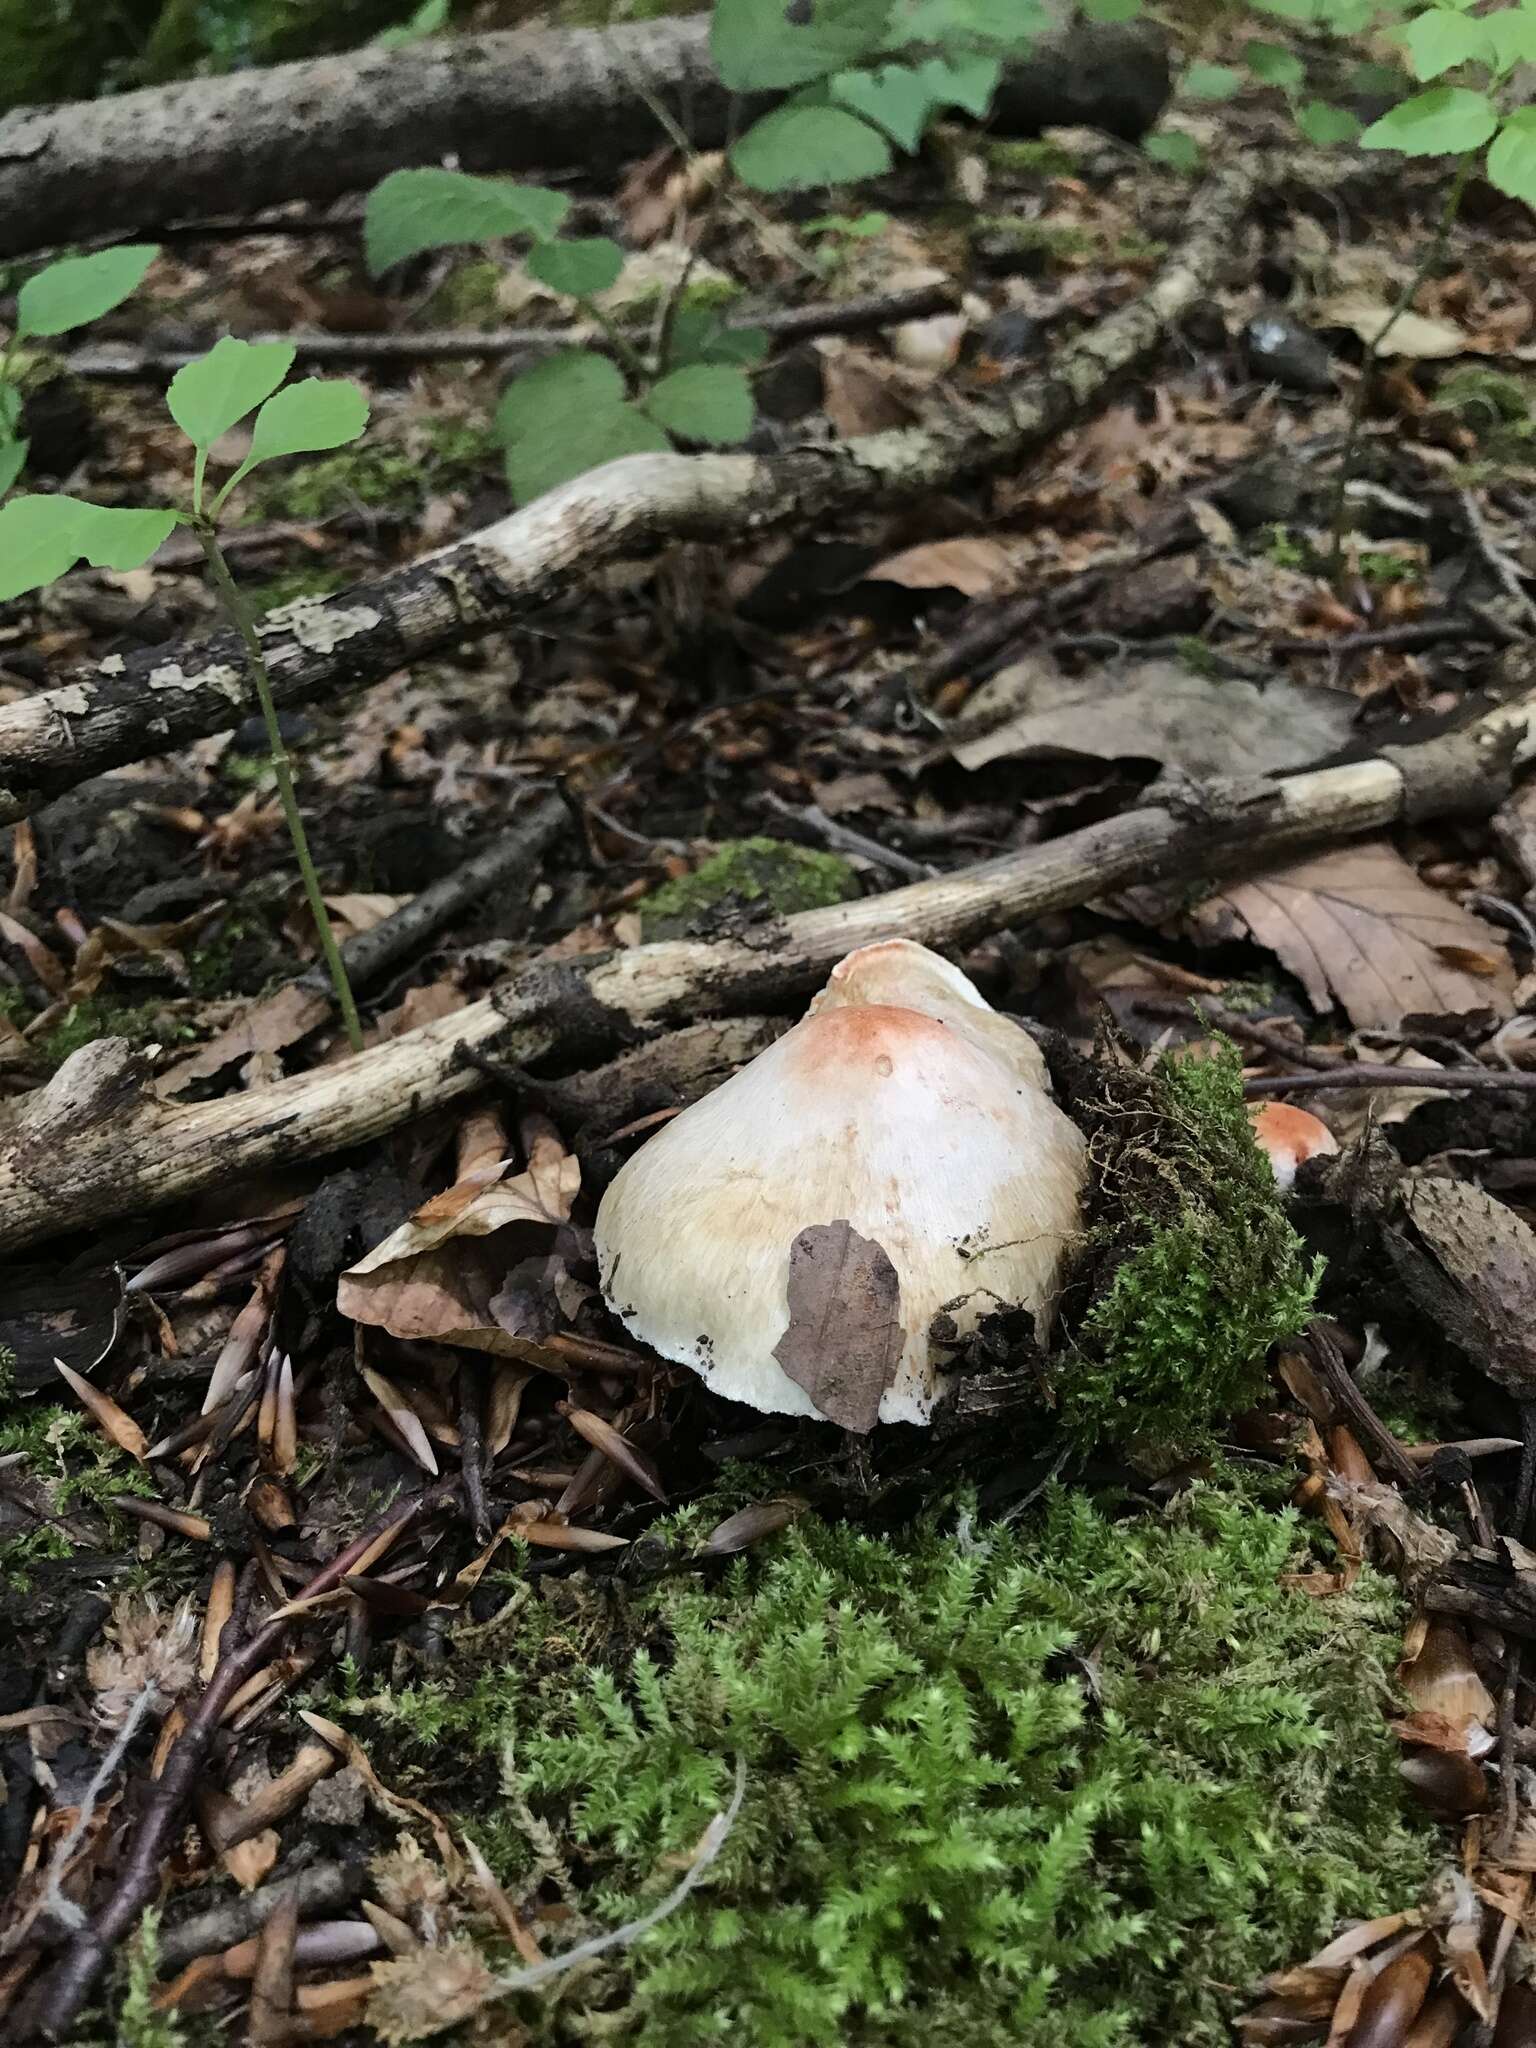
x: 894, y: 1156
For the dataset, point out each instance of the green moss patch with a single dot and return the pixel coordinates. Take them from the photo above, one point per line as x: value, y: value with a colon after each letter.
x: 771, y: 874
x: 1192, y: 1268
x: 1080, y: 1779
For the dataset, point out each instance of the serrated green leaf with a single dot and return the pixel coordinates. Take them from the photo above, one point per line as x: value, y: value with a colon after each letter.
x: 1437, y: 41
x: 1179, y: 151
x: 430, y: 19
x: 1111, y: 10
x: 215, y: 393
x: 80, y: 289
x: 1324, y: 125
x: 558, y: 394
x: 579, y: 267
x: 1444, y: 121
x: 539, y: 460
x: 894, y: 98
x: 705, y: 402
x: 13, y: 457
x: 303, y: 419
x: 1511, y: 162
x: 798, y: 146
x: 1272, y: 64
x: 1211, y: 81
x: 771, y: 45
x: 430, y: 208
x: 42, y: 537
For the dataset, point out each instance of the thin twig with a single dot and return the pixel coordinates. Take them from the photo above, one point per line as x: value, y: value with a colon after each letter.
x: 1235, y: 1025
x: 1499, y: 565
x: 1362, y: 1076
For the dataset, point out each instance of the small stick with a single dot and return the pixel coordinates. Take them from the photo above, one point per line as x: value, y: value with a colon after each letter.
x: 1363, y: 1076
x: 1385, y: 1449
x: 472, y: 1450
x: 1235, y: 1025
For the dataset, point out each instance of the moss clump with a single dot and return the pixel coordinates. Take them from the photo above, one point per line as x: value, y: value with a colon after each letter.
x: 1062, y: 245
x: 466, y: 297
x: 94, y: 1018
x: 378, y: 474
x: 1009, y: 156
x: 768, y: 874
x: 78, y: 1471
x: 1194, y: 1269
x: 1081, y: 1779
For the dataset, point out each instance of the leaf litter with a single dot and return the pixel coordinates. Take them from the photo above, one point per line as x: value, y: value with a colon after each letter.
x: 447, y: 1333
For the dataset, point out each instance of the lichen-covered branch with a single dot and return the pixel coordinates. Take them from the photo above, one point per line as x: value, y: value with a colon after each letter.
x: 156, y: 699
x: 127, y: 1151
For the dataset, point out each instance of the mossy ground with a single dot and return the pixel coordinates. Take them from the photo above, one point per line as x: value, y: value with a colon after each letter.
x: 1082, y: 1778
x: 769, y: 874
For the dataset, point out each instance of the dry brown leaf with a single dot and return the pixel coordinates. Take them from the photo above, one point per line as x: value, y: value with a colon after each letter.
x: 436, y: 1277
x: 1414, y: 335
x: 975, y: 566
x: 48, y: 968
x: 24, y: 864
x: 1357, y: 925
x: 863, y: 393
x: 844, y: 1340
x: 269, y: 1026
x: 1155, y: 710
x: 750, y: 1525
x: 603, y: 1437
x: 402, y: 1415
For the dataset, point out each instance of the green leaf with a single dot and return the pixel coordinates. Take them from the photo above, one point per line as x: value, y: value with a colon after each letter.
x: 81, y: 288
x: 435, y: 209
x: 1272, y: 64
x: 1373, y: 80
x: 41, y: 537
x: 967, y: 82
x: 796, y: 146
x: 13, y: 458
x: 1512, y: 159
x: 10, y: 412
x: 1111, y: 10
x: 697, y: 336
x: 770, y: 45
x: 895, y: 98
x: 1512, y: 34
x: 536, y: 463
x: 557, y: 394
x: 705, y: 402
x: 216, y: 392
x: 858, y: 228
x: 959, y: 25
x: 580, y: 267
x: 1444, y: 121
x: 430, y: 19
x: 1211, y: 81
x: 1179, y: 151
x: 1437, y: 41
x: 1324, y: 125
x: 302, y: 419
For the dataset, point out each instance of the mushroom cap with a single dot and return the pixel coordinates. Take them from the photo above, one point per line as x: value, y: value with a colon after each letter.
x: 935, y: 1142
x: 900, y: 971
x: 1290, y: 1136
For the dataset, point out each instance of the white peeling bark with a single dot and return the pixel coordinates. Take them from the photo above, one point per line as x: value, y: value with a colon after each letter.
x: 94, y: 1143
x: 153, y: 700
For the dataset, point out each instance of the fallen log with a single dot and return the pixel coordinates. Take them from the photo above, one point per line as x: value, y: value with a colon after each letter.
x: 154, y: 699
x: 95, y: 1143
x: 513, y: 101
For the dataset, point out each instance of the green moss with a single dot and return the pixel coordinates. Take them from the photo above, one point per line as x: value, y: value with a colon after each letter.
x: 1200, y: 1269
x: 78, y: 1469
x: 771, y: 872
x: 466, y: 297
x: 96, y: 1017
x: 1080, y: 1779
x: 1490, y: 404
x: 1062, y: 245
x: 296, y: 583
x: 377, y: 473
x: 1037, y: 158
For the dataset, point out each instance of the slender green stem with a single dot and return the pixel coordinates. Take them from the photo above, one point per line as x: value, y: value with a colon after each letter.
x: 1428, y: 263
x: 620, y: 343
x: 235, y: 605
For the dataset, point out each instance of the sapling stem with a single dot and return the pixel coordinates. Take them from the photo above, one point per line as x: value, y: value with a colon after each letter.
x: 235, y: 605
x: 1427, y: 264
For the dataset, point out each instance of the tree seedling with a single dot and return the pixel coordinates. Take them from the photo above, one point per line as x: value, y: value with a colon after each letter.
x: 42, y: 537
x: 53, y: 301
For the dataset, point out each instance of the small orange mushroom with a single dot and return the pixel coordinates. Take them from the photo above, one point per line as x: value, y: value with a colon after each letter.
x: 1290, y: 1136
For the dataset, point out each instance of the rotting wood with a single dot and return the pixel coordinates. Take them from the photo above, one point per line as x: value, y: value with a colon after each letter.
x: 128, y: 1152
x: 520, y: 100
x: 152, y: 700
